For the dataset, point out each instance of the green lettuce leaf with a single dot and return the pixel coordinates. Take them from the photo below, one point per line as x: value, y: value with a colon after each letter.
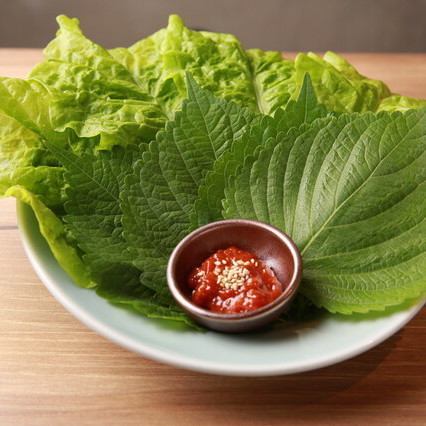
x: 24, y: 162
x: 351, y: 192
x: 216, y: 61
x: 401, y: 103
x: 274, y: 79
x: 262, y: 81
x: 338, y: 85
x: 24, y: 124
x: 25, y: 127
x: 54, y: 232
x: 95, y: 94
x: 123, y: 94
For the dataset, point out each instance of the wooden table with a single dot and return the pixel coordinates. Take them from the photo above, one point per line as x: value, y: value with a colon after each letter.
x: 55, y: 371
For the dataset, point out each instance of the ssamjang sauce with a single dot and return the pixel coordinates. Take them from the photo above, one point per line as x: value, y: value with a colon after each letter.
x: 233, y: 281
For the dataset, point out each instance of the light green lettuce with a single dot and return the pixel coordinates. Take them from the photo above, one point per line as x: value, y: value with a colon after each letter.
x: 401, y: 103
x: 24, y: 124
x: 23, y: 161
x: 337, y: 83
x: 216, y: 61
x: 95, y: 94
x: 52, y: 229
x: 262, y: 81
x: 273, y: 79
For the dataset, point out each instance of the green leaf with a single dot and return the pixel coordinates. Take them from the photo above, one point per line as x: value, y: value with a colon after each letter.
x: 160, y: 193
x: 401, y: 103
x: 351, y: 192
x: 273, y: 78
x: 262, y: 81
x: 306, y: 109
x: 93, y: 219
x: 28, y: 102
x: 54, y: 232
x: 121, y: 286
x: 337, y: 83
x: 24, y: 123
x: 93, y: 212
x: 95, y: 94
x: 23, y: 162
x: 216, y: 61
x: 162, y: 189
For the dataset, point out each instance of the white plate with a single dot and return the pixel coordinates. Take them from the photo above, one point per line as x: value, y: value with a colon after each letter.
x: 281, y: 350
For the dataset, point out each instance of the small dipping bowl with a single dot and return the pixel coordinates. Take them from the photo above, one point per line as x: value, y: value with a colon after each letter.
x: 268, y: 243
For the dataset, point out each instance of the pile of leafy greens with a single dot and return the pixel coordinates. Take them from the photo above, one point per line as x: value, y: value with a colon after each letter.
x: 121, y: 153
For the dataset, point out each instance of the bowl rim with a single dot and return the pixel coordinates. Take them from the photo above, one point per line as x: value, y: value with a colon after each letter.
x: 279, y: 303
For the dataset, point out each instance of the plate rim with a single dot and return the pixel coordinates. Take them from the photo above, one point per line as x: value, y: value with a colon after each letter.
x: 176, y: 360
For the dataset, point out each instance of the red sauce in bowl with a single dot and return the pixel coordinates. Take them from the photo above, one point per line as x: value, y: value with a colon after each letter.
x: 233, y: 281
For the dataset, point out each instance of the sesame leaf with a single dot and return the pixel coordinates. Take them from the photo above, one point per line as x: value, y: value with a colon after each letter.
x: 160, y: 193
x: 305, y: 109
x: 351, y: 192
x: 94, y: 220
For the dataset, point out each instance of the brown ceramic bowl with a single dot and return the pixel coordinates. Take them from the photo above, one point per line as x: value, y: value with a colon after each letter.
x: 272, y: 246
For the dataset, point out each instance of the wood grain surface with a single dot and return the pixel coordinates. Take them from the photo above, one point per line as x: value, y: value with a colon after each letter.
x: 54, y: 371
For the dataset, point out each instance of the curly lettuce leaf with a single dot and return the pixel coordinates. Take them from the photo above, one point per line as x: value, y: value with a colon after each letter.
x: 27, y: 102
x: 274, y: 79
x: 401, y: 103
x: 337, y: 83
x: 24, y: 124
x: 95, y: 94
x: 25, y: 128
x: 52, y: 229
x: 351, y: 192
x: 24, y: 162
x: 260, y: 80
x: 216, y: 61
x: 103, y: 91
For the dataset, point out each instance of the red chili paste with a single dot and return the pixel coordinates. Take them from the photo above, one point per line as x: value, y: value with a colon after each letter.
x: 233, y: 281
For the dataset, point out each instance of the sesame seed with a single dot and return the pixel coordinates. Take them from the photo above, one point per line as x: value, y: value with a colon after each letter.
x: 233, y: 277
